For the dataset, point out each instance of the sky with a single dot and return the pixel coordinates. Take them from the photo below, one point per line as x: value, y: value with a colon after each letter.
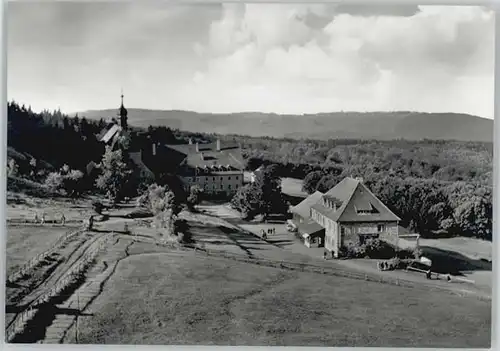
x: 289, y: 59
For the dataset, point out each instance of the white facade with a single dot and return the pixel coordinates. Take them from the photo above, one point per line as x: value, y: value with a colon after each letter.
x: 227, y: 182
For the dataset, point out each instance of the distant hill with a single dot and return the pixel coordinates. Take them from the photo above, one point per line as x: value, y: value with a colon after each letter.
x: 356, y: 125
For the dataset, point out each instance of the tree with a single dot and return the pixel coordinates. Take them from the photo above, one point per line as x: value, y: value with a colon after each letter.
x: 194, y: 197
x: 54, y: 181
x: 12, y: 168
x: 32, y: 167
x: 114, y: 176
x: 311, y: 181
x: 263, y: 196
x: 73, y: 182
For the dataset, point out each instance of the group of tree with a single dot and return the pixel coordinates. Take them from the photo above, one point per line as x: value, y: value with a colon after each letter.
x: 262, y: 197
x: 165, y: 207
x: 54, y: 137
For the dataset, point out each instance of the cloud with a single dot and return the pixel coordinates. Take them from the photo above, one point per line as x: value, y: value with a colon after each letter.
x: 284, y: 58
x: 433, y: 59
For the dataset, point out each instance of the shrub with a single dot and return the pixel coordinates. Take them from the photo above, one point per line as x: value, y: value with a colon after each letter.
x: 12, y: 168
x: 98, y: 207
x: 375, y: 248
x: 194, y: 197
x: 72, y: 182
x: 54, y: 181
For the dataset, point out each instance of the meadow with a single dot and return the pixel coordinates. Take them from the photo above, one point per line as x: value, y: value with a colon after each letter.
x: 159, y: 299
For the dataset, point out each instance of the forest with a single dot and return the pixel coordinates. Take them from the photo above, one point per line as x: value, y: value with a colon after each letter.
x: 435, y: 187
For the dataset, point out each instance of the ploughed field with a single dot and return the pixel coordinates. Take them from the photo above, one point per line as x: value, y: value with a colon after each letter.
x: 191, y: 299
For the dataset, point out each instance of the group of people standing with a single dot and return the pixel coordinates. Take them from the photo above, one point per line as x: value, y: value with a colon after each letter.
x: 270, y: 231
x: 42, y: 219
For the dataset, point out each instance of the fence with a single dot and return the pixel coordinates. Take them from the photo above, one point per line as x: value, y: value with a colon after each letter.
x: 33, y: 262
x: 333, y: 271
x: 70, y: 277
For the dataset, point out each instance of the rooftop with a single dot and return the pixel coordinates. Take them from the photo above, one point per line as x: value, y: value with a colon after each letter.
x: 354, y: 197
x: 208, y: 158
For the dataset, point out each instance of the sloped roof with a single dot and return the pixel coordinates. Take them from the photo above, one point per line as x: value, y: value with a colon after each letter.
x: 353, y: 195
x: 111, y: 133
x: 303, y: 208
x: 309, y: 228
x: 136, y: 157
x: 229, y: 155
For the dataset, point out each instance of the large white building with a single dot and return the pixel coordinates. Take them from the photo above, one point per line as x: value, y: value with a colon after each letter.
x: 217, y: 168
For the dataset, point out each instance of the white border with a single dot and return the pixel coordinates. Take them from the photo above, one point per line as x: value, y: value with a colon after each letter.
x: 495, y: 330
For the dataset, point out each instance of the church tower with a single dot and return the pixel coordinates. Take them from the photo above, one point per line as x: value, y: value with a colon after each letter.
x: 123, y: 115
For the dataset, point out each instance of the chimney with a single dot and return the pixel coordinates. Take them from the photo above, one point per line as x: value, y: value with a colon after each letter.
x: 218, y: 144
x: 197, y: 147
x: 154, y: 149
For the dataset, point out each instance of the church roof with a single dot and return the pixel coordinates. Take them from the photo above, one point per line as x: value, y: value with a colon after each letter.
x: 115, y: 128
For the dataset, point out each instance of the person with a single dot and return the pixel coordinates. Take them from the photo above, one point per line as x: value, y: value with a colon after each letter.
x: 91, y: 223
x: 428, y: 274
x: 63, y: 219
x: 448, y: 278
x: 43, y: 218
x: 36, y: 217
x: 274, y: 230
x: 264, y: 236
x: 324, y: 255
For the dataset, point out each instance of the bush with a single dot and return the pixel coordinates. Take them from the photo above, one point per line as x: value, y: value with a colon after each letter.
x: 54, y: 181
x: 98, y: 207
x: 375, y: 248
x: 12, y: 168
x: 194, y: 197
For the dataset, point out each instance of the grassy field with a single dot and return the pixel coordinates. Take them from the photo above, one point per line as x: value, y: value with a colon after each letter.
x: 24, y: 243
x: 470, y: 247
x: 292, y: 187
x: 162, y: 299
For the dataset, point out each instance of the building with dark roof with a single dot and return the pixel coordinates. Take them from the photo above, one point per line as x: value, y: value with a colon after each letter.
x: 217, y: 167
x: 349, y: 213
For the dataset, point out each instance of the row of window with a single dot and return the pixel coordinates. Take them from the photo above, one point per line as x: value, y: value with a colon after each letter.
x: 380, y: 229
x: 215, y: 187
x: 197, y: 179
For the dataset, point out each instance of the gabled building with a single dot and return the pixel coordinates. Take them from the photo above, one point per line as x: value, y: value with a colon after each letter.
x: 217, y: 167
x: 351, y: 214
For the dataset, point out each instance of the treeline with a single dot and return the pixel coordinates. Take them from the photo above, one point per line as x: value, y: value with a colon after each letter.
x: 53, y: 136
x: 440, y: 160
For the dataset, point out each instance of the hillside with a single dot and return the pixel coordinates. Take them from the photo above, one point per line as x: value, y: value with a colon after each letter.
x: 355, y: 125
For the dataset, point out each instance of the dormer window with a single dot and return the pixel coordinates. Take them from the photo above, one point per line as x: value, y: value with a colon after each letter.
x: 365, y: 210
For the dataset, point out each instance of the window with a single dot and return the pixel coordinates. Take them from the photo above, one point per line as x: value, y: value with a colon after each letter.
x: 228, y: 178
x: 236, y: 186
x: 236, y: 177
x: 229, y: 186
x: 221, y: 179
x: 214, y: 178
x: 342, y: 230
x: 222, y: 186
x: 380, y: 228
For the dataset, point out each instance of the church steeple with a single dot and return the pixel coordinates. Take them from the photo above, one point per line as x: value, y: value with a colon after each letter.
x: 123, y: 114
